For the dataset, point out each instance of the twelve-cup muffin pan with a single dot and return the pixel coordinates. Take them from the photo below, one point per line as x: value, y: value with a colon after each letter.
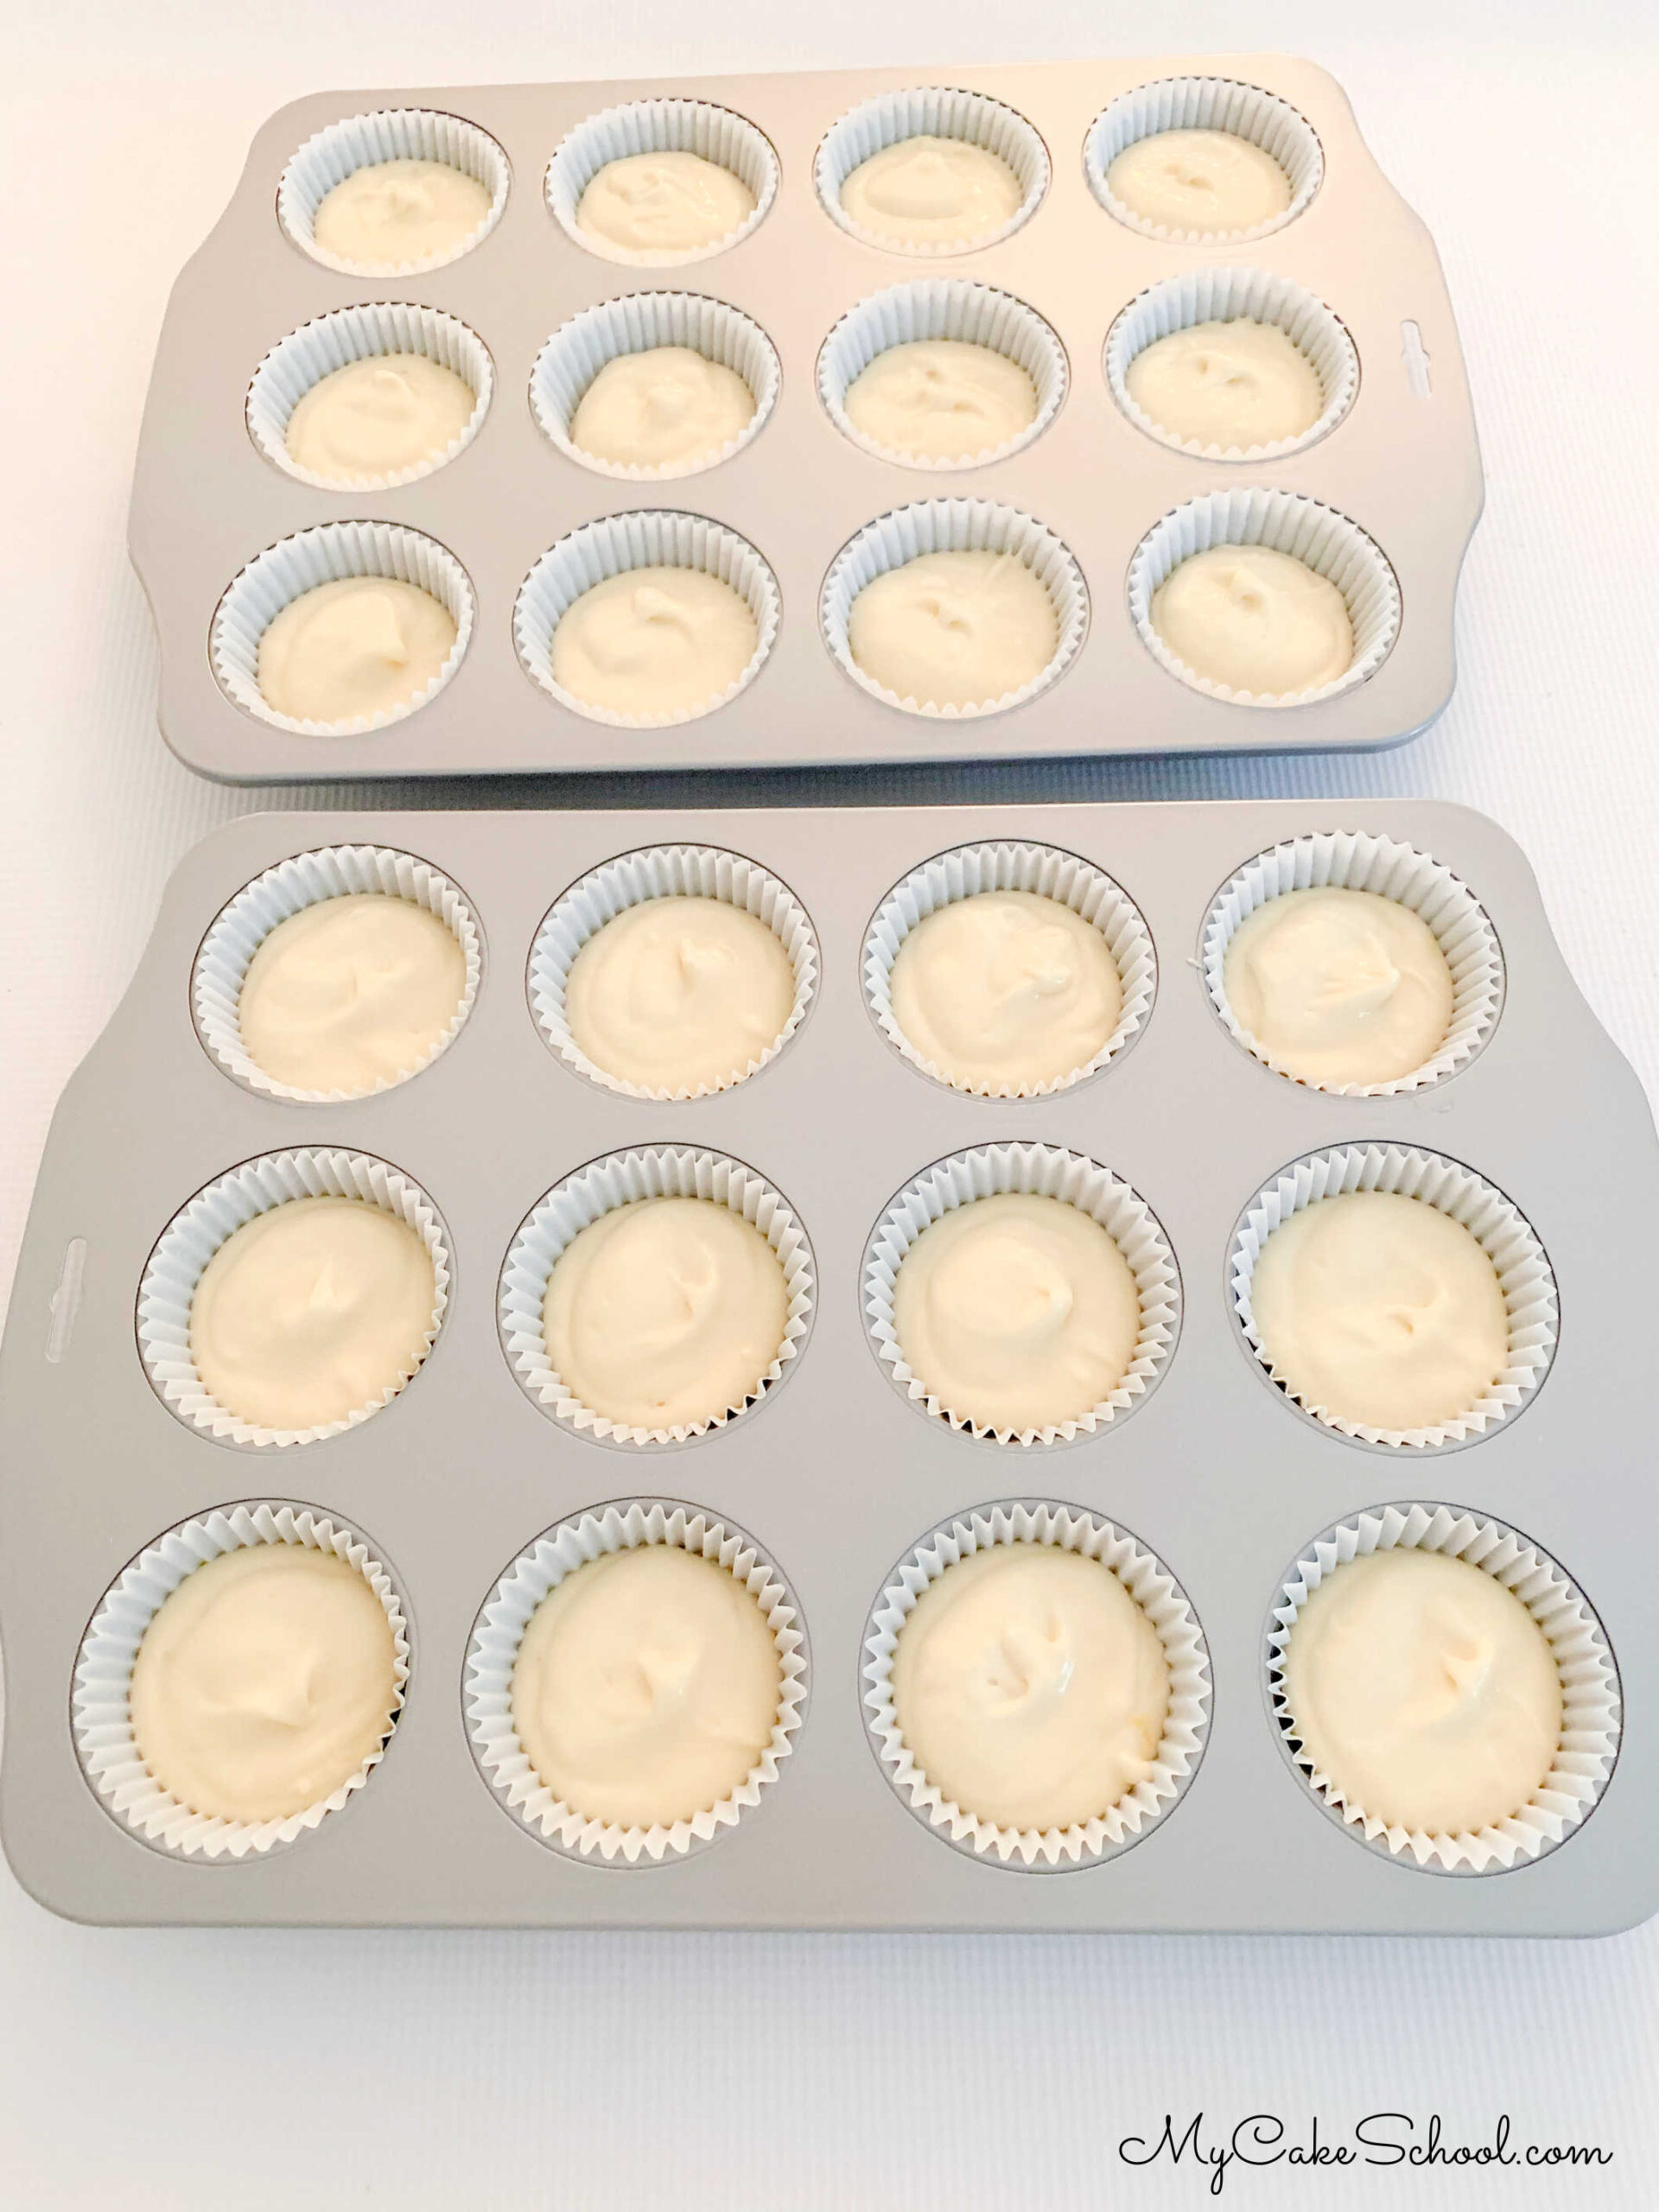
x: 840, y: 1489
x: 222, y: 532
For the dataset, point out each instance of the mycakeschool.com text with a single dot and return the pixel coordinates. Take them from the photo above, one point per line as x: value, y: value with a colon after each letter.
x: 1213, y: 2149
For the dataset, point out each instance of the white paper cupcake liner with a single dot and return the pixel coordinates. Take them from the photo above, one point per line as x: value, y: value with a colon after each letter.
x: 665, y: 872
x: 196, y: 1232
x: 947, y: 307
x: 371, y: 332
x: 715, y: 133
x: 1204, y: 103
x: 274, y: 578
x: 1497, y: 1225
x: 332, y: 871
x: 1356, y: 860
x: 101, y: 1714
x: 1046, y: 1172
x: 954, y: 526
x: 1591, y: 1715
x: 963, y: 874
x: 1286, y: 522
x: 1147, y: 1581
x: 644, y: 539
x: 1228, y: 296
x: 579, y: 349
x: 930, y: 112
x: 499, y: 1630
x: 408, y: 134
x: 618, y: 1180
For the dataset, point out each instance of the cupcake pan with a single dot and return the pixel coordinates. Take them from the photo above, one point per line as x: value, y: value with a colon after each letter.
x: 206, y: 501
x: 834, y: 1475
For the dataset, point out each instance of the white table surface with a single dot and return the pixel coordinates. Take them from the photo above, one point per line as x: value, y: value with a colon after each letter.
x: 153, y: 2070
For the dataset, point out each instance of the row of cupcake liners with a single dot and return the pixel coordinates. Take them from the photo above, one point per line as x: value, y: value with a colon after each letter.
x: 777, y: 499
x: 732, y: 142
x: 1328, y: 542
x: 1354, y: 859
x: 1331, y: 859
x: 115, y: 1769
x: 956, y: 309
x: 200, y: 1228
x: 1202, y: 1478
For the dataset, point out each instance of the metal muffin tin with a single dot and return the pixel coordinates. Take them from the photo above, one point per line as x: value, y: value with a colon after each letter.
x: 206, y: 501
x: 834, y: 1474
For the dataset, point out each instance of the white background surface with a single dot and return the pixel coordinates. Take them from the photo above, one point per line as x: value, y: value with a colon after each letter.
x: 428, y: 2071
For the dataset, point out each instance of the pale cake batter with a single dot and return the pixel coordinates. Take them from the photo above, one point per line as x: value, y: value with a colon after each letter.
x: 264, y: 1683
x: 1254, y: 620
x: 1380, y: 1309
x: 1339, y: 986
x: 1016, y: 1313
x: 941, y: 399
x: 646, y: 1687
x: 955, y: 629
x: 662, y: 206
x: 395, y: 214
x: 1030, y: 1687
x: 654, y: 641
x: 379, y: 417
x: 1424, y: 1691
x: 1199, y: 183
x: 1235, y: 385
x: 664, y: 407
x: 350, y: 993
x: 679, y: 994
x: 1004, y: 991
x: 312, y: 1311
x: 928, y: 191
x: 357, y: 646
x: 665, y: 1312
